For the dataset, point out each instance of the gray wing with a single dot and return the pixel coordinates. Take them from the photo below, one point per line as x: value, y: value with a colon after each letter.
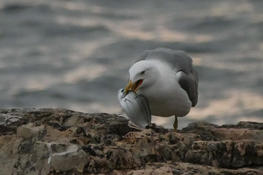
x: 182, y: 64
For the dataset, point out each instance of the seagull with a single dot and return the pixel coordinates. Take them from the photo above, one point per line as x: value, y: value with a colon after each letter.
x: 167, y: 79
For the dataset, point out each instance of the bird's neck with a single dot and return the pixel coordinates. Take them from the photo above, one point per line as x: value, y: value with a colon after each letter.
x: 165, y: 82
x: 164, y: 71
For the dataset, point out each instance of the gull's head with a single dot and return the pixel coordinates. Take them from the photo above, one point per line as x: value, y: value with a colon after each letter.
x: 143, y: 74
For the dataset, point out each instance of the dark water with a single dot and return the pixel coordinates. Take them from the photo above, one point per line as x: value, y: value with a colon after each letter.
x: 75, y: 54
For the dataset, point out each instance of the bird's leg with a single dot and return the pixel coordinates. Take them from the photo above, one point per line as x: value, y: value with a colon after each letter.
x: 175, y: 123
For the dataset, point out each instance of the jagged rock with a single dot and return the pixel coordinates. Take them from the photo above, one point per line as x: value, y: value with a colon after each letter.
x: 71, y: 158
x: 29, y: 130
x: 59, y: 141
x: 8, y: 123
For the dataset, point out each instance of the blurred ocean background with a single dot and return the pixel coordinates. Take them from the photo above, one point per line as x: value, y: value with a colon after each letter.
x: 75, y: 54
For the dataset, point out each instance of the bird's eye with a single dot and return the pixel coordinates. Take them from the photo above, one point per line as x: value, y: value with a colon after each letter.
x: 142, y: 72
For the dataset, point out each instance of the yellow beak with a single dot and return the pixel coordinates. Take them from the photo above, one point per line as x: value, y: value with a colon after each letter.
x: 130, y: 87
x: 133, y: 86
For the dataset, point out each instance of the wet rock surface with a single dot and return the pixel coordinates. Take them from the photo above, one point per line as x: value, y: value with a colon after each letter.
x: 60, y: 141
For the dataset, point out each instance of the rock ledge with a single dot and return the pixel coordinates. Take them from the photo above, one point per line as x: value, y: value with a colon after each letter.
x: 60, y: 141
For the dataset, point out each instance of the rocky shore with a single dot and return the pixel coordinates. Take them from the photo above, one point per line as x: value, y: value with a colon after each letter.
x: 60, y: 141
